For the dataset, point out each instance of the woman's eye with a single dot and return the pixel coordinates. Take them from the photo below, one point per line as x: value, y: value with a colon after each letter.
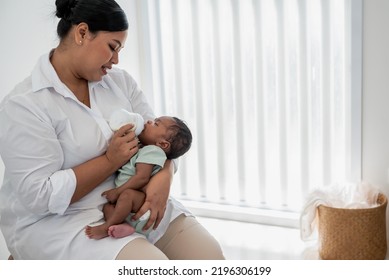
x: 114, y: 48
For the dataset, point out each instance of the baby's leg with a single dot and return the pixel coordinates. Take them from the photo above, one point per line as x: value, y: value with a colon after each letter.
x: 101, y: 231
x: 108, y: 210
x: 128, y: 201
x: 121, y: 212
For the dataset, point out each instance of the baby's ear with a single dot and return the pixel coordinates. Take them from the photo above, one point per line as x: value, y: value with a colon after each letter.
x: 164, y: 145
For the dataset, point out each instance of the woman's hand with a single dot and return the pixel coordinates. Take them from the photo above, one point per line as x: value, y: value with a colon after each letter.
x: 122, y: 146
x: 157, y: 194
x: 90, y: 174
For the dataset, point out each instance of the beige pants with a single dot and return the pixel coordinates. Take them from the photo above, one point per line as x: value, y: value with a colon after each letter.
x: 185, y: 239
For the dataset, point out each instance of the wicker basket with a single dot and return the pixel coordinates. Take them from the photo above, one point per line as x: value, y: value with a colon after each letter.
x: 353, y: 234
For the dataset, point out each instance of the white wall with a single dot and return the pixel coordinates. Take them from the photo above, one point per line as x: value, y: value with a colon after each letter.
x: 375, y: 93
x: 375, y: 141
x: 27, y: 30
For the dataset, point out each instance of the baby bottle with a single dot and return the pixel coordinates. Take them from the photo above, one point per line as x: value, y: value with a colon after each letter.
x: 122, y: 117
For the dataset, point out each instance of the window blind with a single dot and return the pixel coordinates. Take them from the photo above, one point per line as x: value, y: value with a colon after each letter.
x: 270, y: 89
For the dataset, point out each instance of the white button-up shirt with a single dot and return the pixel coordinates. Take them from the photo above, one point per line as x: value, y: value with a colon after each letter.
x: 44, y: 132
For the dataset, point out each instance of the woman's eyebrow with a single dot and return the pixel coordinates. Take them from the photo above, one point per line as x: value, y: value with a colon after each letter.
x: 119, y: 44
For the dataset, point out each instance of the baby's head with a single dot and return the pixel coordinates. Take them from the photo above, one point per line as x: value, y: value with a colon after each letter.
x: 169, y: 133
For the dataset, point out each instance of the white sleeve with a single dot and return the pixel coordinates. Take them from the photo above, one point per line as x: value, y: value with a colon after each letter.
x: 33, y: 158
x: 138, y: 99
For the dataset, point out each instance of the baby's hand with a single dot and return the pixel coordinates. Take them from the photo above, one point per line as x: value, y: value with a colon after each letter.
x: 111, y: 195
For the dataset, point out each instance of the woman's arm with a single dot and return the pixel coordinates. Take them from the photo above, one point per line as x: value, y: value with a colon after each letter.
x: 157, y: 193
x: 32, y: 149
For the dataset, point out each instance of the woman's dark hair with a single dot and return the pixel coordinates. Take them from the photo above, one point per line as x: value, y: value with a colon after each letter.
x: 100, y: 15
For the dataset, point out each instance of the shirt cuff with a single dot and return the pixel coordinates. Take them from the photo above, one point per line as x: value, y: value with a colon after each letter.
x: 63, y: 184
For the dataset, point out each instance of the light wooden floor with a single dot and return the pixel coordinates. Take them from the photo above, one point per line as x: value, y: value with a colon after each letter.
x: 247, y: 241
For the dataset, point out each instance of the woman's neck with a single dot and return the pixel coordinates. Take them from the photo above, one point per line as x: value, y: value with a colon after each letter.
x: 62, y: 63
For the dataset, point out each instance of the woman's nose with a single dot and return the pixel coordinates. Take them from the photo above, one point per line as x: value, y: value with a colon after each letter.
x: 115, y: 58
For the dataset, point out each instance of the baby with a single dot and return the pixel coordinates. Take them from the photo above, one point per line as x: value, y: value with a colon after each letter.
x: 163, y: 138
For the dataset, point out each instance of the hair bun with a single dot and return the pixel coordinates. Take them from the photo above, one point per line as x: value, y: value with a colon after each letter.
x: 64, y: 8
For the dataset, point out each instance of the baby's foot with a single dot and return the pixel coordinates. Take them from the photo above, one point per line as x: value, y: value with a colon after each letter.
x: 119, y: 231
x: 97, y: 232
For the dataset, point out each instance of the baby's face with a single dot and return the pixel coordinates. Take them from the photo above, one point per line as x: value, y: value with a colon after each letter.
x: 156, y: 130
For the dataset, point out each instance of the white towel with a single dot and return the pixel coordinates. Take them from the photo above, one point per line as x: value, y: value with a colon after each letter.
x: 350, y: 196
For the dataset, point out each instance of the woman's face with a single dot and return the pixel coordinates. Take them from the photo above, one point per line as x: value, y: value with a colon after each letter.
x: 100, y: 51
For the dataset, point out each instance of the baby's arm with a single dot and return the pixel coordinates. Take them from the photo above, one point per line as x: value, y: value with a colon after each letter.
x: 136, y: 182
x: 142, y: 176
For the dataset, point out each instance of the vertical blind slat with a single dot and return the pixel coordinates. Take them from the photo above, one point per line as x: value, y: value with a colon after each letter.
x: 281, y: 92
x: 197, y: 91
x: 217, y: 91
x: 239, y: 96
x: 160, y: 56
x: 303, y: 70
x: 326, y: 92
x: 259, y: 89
x: 176, y: 94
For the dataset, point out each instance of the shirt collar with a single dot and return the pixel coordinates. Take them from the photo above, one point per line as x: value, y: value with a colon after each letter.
x: 45, y: 76
x: 102, y: 83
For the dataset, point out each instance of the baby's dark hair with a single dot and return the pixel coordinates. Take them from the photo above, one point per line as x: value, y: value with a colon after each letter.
x: 100, y: 15
x: 180, y: 139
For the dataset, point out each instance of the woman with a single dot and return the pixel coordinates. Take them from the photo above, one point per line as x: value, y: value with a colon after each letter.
x: 60, y: 154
